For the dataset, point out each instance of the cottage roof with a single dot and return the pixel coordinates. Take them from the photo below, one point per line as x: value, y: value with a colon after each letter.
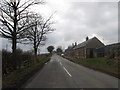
x: 84, y: 43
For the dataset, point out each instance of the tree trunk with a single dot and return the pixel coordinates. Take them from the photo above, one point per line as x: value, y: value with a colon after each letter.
x: 35, y: 41
x: 14, y: 45
x: 14, y: 38
x: 14, y: 53
x: 35, y: 51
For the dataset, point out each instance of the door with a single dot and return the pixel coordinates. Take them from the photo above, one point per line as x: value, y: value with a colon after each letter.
x: 91, y: 53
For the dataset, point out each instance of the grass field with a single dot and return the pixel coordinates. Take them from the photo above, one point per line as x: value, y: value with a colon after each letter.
x: 18, y: 77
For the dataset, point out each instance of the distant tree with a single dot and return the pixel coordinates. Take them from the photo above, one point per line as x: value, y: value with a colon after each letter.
x: 59, y: 50
x: 50, y: 48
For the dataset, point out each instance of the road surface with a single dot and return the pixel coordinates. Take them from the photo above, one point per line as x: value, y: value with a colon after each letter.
x: 61, y: 73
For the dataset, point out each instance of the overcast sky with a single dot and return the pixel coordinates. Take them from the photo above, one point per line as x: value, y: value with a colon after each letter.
x: 74, y: 20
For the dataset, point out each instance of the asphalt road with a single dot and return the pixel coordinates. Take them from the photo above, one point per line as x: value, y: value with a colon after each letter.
x: 61, y: 73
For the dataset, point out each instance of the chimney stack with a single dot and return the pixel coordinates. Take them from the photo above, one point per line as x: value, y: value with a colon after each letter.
x: 87, y: 38
x: 75, y: 43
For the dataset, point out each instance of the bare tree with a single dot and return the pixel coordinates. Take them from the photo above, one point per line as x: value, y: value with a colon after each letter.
x: 13, y: 19
x: 36, y: 35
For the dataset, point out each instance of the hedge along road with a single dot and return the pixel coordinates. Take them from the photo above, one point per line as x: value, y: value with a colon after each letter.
x: 62, y: 73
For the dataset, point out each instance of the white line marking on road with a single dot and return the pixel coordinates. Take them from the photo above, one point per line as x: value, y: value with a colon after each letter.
x: 67, y: 72
x: 60, y: 63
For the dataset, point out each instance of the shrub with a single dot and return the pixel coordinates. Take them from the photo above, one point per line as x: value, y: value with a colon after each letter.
x: 6, y: 62
x: 22, y: 59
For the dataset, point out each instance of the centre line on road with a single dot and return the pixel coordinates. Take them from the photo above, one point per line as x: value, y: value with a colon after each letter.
x: 67, y: 72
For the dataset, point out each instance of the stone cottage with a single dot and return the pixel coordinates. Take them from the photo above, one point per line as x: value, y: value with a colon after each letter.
x: 87, y: 48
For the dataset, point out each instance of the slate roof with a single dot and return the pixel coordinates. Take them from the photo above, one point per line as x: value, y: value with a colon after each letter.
x: 84, y: 43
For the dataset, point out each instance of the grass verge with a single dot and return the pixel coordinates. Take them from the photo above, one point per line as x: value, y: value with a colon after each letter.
x: 101, y: 64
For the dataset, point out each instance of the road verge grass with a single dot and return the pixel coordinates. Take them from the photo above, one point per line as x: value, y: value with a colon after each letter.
x: 105, y: 65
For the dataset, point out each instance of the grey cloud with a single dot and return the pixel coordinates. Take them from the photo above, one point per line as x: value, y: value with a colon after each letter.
x: 85, y: 19
x: 92, y: 18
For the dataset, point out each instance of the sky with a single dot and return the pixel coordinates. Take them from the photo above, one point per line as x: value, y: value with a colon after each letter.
x: 75, y: 20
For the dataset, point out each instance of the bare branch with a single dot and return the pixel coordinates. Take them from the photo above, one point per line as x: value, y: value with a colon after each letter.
x: 4, y: 35
x: 28, y: 5
x: 5, y: 31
